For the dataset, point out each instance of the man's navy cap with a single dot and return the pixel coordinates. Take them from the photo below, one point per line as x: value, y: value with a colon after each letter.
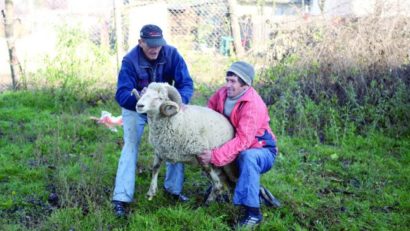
x: 152, y: 35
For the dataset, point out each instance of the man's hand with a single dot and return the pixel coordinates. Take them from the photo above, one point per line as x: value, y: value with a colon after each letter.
x: 205, y: 157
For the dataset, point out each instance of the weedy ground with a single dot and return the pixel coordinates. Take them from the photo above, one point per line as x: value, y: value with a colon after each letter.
x: 58, y: 168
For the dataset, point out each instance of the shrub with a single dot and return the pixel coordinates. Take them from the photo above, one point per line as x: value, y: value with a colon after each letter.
x: 336, y: 78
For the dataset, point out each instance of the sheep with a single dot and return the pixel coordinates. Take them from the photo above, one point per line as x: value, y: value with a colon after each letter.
x: 178, y: 133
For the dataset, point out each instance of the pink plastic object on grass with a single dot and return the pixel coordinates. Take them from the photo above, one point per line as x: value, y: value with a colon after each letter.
x: 108, y: 120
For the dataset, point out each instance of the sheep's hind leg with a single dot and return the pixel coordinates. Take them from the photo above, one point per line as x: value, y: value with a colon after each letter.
x: 154, y: 180
x: 217, y: 185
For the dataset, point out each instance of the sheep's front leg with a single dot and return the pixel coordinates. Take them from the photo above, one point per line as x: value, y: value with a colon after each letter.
x: 154, y: 180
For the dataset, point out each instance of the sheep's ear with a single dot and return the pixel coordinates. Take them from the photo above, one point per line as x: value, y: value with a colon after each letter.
x: 169, y: 108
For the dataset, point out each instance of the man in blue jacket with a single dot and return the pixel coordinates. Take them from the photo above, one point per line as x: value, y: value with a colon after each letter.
x: 152, y: 60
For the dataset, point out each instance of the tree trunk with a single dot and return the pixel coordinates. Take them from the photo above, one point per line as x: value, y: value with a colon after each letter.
x: 15, y: 67
x: 118, y: 31
x: 236, y: 31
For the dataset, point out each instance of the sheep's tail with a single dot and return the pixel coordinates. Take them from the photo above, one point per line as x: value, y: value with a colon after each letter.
x: 135, y: 92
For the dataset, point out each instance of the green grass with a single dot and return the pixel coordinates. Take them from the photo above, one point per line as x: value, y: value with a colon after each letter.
x: 49, y: 145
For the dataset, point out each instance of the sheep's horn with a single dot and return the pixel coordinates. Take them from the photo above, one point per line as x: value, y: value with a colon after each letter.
x: 135, y: 92
x: 174, y: 95
x: 169, y: 108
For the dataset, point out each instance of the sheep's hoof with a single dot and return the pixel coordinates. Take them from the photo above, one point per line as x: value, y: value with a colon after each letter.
x: 150, y: 197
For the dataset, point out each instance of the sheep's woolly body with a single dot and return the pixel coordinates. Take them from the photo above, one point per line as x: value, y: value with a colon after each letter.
x: 183, y: 136
x: 179, y: 135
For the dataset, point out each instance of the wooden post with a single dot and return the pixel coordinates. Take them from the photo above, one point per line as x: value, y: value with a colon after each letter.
x: 236, y: 32
x: 15, y: 68
x: 378, y: 8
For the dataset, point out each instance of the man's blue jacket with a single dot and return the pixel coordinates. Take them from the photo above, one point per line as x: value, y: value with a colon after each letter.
x: 137, y: 72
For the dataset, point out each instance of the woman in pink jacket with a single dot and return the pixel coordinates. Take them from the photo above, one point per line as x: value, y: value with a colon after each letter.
x: 254, y: 145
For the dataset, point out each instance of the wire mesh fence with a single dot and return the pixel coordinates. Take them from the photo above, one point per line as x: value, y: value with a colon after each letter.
x: 113, y: 24
x: 196, y: 27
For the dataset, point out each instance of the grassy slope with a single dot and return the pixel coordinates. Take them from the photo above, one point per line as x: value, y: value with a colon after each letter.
x: 49, y: 146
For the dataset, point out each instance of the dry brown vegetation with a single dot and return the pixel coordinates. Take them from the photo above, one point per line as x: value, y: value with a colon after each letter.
x: 350, y: 65
x: 342, y: 51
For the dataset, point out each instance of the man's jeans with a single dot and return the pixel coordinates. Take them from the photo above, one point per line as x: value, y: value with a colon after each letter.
x: 251, y: 163
x: 133, y: 125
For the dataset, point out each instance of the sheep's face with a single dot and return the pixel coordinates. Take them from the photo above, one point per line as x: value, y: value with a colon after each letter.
x: 151, y: 101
